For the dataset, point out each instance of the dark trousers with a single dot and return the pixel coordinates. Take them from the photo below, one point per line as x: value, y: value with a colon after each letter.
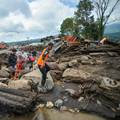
x: 44, y: 70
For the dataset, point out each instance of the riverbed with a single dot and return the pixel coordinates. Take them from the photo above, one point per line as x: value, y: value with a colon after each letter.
x: 52, y: 114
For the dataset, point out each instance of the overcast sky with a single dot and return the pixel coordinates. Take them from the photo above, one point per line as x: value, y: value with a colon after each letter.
x: 20, y: 19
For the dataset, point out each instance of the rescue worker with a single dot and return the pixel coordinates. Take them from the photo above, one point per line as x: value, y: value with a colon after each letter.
x: 43, y: 67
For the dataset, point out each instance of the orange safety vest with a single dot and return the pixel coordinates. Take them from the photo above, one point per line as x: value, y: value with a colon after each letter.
x: 41, y: 60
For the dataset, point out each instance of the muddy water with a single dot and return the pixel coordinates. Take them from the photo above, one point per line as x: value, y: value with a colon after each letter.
x: 56, y: 115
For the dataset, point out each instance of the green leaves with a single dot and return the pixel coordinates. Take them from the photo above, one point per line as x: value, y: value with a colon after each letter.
x: 67, y: 27
x: 84, y: 19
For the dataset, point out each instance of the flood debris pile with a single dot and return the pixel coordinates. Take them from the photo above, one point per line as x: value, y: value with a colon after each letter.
x: 89, y: 80
x: 81, y: 79
x: 31, y: 48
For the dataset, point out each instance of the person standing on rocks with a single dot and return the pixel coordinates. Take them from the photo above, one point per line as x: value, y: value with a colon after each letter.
x: 12, y: 61
x: 43, y: 67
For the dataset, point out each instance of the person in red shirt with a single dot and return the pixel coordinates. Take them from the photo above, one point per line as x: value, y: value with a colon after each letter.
x: 19, y: 67
x: 42, y: 65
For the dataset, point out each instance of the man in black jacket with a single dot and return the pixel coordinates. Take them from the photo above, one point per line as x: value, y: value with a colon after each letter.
x: 12, y: 60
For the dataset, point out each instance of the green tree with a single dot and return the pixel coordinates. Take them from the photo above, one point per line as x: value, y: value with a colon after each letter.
x: 104, y: 11
x: 67, y: 27
x: 84, y: 19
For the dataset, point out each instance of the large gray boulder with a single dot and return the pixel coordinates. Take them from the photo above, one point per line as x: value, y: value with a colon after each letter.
x: 20, y: 84
x: 76, y: 73
x: 35, y: 76
x: 58, y: 103
x: 49, y: 85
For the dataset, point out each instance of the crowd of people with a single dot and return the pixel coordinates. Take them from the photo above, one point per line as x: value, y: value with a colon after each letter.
x: 20, y: 60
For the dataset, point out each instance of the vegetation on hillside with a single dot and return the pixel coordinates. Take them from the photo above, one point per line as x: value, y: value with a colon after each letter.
x: 86, y: 24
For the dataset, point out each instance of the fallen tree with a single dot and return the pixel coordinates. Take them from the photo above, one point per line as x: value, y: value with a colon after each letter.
x: 16, y: 101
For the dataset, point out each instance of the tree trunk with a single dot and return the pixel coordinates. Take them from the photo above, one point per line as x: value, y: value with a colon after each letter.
x: 101, y: 29
x: 16, y: 101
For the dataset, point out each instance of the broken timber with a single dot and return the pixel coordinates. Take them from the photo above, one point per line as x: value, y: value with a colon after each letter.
x: 78, y: 50
x: 16, y: 101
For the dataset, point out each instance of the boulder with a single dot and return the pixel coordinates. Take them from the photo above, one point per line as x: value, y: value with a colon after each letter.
x: 70, y: 91
x: 109, y: 83
x: 84, y: 58
x: 49, y: 104
x: 73, y: 93
x: 73, y: 63
x: 20, y: 84
x: 35, y: 76
x: 4, y: 80
x: 63, y: 108
x: 65, y: 59
x: 49, y: 82
x: 56, y: 74
x: 53, y: 65
x: 80, y: 99
x: 49, y: 85
x: 76, y: 73
x: 2, y: 85
x: 63, y: 66
x: 40, y: 106
x: 4, y: 74
x: 58, y: 103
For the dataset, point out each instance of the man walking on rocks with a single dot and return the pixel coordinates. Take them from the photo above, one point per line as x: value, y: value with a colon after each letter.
x: 43, y: 67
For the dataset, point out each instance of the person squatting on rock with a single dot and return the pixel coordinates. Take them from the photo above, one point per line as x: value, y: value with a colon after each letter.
x: 42, y: 65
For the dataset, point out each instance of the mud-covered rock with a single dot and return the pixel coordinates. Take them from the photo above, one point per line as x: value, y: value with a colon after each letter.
x: 56, y: 74
x: 49, y: 85
x: 109, y: 83
x: 49, y: 104
x: 73, y: 93
x: 2, y: 85
x: 53, y: 65
x: 70, y: 72
x: 63, y: 66
x: 4, y: 80
x: 4, y: 74
x: 84, y: 58
x: 58, y: 103
x: 20, y: 84
x: 73, y: 63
